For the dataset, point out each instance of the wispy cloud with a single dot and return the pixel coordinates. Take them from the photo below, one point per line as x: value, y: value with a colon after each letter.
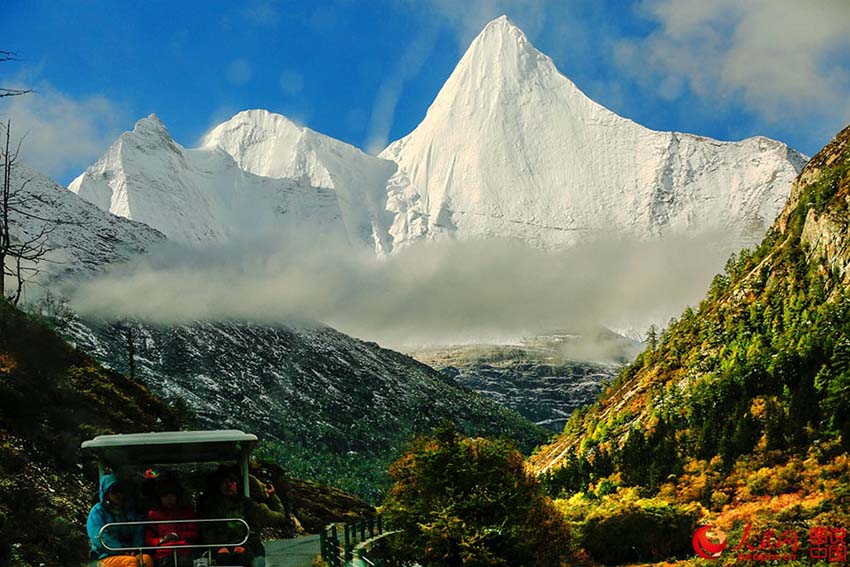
x: 64, y: 134
x: 423, y: 294
x: 785, y: 61
x: 291, y: 82
x: 264, y: 13
x: 383, y: 112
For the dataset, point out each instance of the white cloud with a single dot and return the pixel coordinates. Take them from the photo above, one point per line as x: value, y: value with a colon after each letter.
x: 784, y: 60
x: 421, y: 294
x: 63, y: 134
x: 383, y: 110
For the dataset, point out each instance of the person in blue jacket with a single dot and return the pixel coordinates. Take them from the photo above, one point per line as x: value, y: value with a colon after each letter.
x: 115, y: 506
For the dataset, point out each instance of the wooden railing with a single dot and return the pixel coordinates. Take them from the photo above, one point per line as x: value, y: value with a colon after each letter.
x: 350, y: 550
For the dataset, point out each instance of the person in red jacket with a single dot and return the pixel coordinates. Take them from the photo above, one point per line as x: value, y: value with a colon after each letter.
x: 170, y: 508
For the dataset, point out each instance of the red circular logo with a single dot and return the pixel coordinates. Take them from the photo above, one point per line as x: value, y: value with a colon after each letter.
x: 706, y: 548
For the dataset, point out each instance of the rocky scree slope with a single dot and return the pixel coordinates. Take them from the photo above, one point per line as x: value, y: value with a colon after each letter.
x: 544, y: 378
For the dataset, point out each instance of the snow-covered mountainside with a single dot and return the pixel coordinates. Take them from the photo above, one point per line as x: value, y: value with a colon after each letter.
x: 271, y: 145
x: 83, y: 238
x: 333, y: 403
x: 201, y: 195
x: 512, y: 148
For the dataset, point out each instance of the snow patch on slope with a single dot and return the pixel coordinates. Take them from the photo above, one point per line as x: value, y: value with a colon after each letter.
x: 83, y: 238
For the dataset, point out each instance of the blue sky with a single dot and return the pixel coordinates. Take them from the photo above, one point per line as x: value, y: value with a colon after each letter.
x: 366, y: 71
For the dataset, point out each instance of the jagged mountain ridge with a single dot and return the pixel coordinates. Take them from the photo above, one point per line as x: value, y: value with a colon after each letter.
x: 201, y: 195
x: 510, y: 148
x: 543, y: 378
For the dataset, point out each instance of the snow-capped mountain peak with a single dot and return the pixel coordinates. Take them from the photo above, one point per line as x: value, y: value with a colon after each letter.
x: 511, y: 147
x: 265, y: 143
x: 150, y: 124
x: 503, y: 53
x: 257, y: 173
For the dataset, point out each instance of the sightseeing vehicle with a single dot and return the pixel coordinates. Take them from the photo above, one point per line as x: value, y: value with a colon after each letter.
x: 138, y: 459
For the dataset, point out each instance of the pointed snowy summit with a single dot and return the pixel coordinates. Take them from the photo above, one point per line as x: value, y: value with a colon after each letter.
x: 511, y: 147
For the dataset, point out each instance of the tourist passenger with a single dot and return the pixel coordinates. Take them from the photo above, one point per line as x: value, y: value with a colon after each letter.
x: 115, y: 506
x: 224, y: 499
x: 172, y: 506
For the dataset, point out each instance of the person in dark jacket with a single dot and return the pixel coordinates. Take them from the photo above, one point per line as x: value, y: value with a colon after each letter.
x: 115, y: 506
x: 223, y: 499
x: 164, y: 534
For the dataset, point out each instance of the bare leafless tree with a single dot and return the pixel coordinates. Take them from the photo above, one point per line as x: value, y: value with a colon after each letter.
x: 21, y: 253
x: 125, y: 328
x: 10, y: 56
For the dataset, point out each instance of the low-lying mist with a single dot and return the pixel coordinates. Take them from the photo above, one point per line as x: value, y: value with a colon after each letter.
x: 430, y: 293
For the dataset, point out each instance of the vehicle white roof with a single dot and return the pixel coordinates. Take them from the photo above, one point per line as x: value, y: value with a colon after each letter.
x: 171, y: 447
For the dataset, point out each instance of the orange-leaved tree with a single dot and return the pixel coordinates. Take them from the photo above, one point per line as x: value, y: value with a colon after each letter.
x: 471, y: 502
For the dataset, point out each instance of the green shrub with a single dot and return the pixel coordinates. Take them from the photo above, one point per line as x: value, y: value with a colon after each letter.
x: 646, y: 530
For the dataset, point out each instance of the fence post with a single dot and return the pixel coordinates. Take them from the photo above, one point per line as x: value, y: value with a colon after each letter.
x: 348, y: 538
x: 371, y: 527
x: 362, y: 530
x: 334, y: 552
x: 380, y: 525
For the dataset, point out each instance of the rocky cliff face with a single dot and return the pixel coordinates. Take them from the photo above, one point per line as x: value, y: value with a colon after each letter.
x: 825, y: 231
x: 544, y: 378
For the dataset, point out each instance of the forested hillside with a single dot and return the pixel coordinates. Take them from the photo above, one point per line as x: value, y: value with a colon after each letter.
x: 742, y: 406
